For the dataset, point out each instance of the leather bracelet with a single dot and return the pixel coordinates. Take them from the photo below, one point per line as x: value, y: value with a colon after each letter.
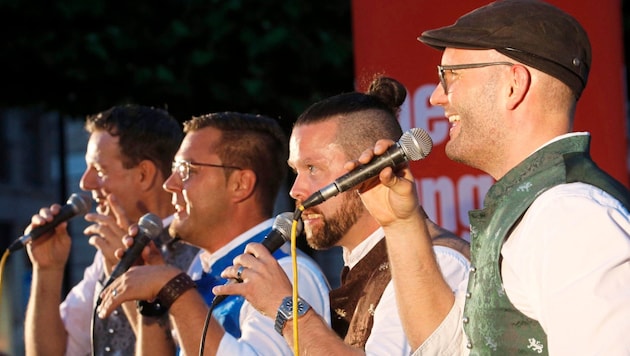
x: 166, y: 296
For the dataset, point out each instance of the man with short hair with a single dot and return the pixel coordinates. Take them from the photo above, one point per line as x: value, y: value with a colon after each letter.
x: 226, y: 176
x: 128, y: 158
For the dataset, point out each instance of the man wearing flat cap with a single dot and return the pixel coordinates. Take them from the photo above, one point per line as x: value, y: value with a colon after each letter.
x: 551, y: 247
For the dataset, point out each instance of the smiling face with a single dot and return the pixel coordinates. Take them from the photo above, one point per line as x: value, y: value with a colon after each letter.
x: 105, y: 175
x: 318, y: 160
x: 473, y: 106
x: 201, y: 200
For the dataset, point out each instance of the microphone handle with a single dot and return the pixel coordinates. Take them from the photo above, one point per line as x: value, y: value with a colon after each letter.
x: 129, y: 257
x: 391, y: 158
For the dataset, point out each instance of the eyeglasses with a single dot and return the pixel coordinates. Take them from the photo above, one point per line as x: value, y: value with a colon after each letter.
x: 442, y: 69
x: 182, y: 168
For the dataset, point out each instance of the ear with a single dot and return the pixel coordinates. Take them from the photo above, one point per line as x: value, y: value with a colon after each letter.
x: 519, y: 85
x: 147, y: 174
x: 242, y: 184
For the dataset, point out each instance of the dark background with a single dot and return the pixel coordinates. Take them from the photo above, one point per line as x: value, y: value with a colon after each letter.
x: 191, y: 57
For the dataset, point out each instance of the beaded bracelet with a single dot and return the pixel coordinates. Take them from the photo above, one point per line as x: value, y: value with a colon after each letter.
x: 167, y: 296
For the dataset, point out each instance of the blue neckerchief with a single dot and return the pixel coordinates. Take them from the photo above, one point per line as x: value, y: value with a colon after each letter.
x: 228, y: 311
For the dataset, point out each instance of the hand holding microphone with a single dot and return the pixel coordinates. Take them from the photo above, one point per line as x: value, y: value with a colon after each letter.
x: 77, y: 204
x: 413, y: 145
x: 279, y: 234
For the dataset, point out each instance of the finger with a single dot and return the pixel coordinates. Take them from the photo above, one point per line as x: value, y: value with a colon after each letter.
x: 111, y: 298
x: 256, y: 250
x: 382, y: 145
x: 99, y: 218
x: 133, y: 229
x: 128, y: 241
x: 119, y: 253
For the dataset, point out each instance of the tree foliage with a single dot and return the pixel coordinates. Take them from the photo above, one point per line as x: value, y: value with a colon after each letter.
x: 273, y: 57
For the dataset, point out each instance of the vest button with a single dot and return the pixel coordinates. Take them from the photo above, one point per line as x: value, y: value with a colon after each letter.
x: 469, y: 345
x: 108, y: 349
x: 473, y: 269
x: 468, y: 295
x: 110, y: 331
x: 465, y: 320
x: 115, y: 312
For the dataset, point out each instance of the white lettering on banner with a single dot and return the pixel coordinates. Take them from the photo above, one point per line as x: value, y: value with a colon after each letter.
x: 417, y: 112
x: 447, y: 200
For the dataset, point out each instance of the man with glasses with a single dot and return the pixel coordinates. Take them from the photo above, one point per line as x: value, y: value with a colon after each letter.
x: 224, y: 181
x: 365, y: 314
x: 551, y: 247
x: 128, y: 157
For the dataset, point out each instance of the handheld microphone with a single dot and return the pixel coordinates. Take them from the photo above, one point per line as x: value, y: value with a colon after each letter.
x: 149, y: 227
x: 413, y: 145
x: 77, y: 204
x: 279, y: 234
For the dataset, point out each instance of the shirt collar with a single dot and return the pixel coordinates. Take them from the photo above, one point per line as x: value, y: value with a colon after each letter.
x: 207, y: 258
x: 351, y: 258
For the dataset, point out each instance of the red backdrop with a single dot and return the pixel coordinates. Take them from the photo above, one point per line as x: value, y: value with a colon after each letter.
x: 385, y: 41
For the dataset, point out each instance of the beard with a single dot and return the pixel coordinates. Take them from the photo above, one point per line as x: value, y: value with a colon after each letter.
x: 336, y: 225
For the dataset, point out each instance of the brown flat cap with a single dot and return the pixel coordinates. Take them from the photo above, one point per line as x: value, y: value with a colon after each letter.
x: 532, y: 32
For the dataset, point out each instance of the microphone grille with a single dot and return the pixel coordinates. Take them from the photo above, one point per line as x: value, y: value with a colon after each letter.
x: 151, y: 225
x: 80, y: 203
x: 416, y: 143
x: 283, y: 224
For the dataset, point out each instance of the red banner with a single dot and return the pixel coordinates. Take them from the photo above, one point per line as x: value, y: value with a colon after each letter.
x: 385, y: 41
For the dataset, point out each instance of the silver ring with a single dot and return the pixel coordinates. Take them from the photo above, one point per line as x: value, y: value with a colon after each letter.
x: 114, y: 292
x: 239, y: 272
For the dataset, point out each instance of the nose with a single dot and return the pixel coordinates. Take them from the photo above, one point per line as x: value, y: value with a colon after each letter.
x: 438, y: 96
x: 299, y: 190
x: 172, y: 184
x: 89, y: 179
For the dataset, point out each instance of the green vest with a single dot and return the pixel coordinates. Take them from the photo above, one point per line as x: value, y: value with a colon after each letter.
x: 493, y: 325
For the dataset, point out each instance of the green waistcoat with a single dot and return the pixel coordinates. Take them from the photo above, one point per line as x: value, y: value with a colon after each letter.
x: 493, y: 325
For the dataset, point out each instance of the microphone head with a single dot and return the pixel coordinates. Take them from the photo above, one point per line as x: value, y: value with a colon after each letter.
x: 283, y: 224
x: 151, y: 225
x: 416, y: 144
x: 80, y: 203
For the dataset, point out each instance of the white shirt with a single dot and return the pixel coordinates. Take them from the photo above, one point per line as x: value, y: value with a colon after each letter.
x: 258, y: 336
x: 77, y: 309
x: 387, y: 336
x: 566, y: 265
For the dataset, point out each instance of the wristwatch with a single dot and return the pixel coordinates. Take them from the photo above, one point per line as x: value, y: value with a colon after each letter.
x: 285, y: 312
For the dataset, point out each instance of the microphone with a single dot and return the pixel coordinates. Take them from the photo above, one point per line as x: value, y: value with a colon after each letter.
x: 77, y: 204
x: 413, y: 145
x: 149, y: 227
x: 279, y: 234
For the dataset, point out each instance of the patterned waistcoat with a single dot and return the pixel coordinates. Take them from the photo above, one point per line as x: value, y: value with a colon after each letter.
x: 492, y: 324
x: 114, y: 336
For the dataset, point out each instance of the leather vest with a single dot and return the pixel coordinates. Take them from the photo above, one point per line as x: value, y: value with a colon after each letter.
x: 492, y: 324
x: 352, y: 304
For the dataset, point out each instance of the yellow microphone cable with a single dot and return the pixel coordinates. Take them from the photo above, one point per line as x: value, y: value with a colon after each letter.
x: 294, y: 226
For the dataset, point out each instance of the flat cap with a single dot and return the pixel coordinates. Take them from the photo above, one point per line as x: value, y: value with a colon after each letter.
x: 532, y: 32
